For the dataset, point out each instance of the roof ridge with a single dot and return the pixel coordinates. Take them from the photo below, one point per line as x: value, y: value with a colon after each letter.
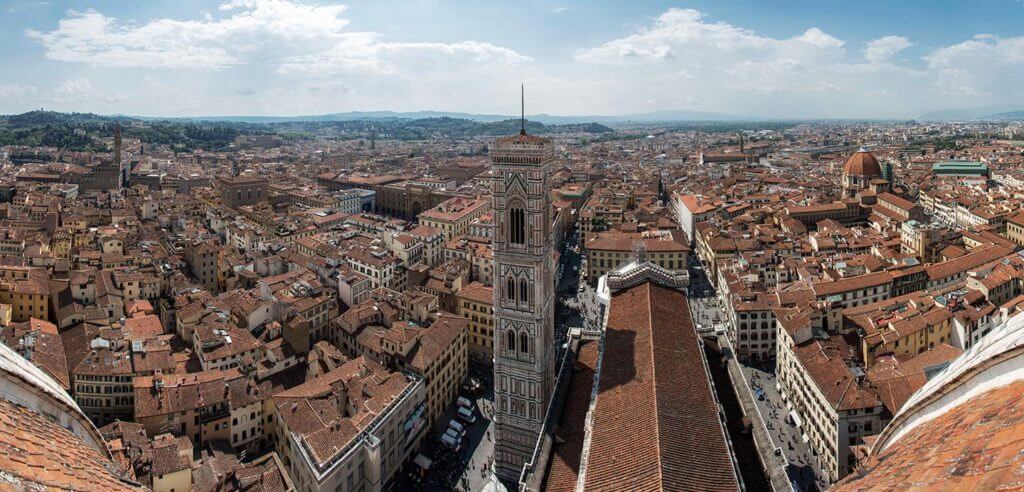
x: 654, y: 378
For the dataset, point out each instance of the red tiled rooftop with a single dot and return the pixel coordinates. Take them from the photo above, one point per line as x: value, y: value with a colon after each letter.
x: 975, y: 446
x: 571, y: 431
x: 37, y: 453
x: 655, y: 423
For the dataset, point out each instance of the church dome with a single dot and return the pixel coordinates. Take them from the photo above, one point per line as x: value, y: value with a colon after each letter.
x: 862, y: 163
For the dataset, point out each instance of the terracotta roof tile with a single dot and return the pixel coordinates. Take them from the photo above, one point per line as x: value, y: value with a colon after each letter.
x: 36, y: 452
x: 975, y: 446
x: 656, y: 424
x: 571, y: 431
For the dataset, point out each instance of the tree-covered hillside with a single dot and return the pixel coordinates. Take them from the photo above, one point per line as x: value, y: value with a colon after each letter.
x: 86, y: 132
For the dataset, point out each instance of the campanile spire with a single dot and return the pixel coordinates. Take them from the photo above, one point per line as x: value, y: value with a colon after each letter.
x: 522, y: 109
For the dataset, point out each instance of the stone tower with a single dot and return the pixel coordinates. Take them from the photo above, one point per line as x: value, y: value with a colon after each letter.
x: 117, y: 144
x: 107, y: 175
x: 122, y: 168
x: 524, y: 297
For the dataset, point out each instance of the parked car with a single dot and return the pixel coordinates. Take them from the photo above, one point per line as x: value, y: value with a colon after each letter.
x: 466, y: 415
x: 457, y: 426
x: 453, y: 434
x: 464, y: 402
x: 451, y: 442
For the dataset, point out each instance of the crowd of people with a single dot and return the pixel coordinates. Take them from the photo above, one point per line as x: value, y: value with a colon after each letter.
x: 798, y: 456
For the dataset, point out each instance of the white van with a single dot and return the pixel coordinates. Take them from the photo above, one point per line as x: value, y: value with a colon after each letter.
x: 457, y: 426
x: 464, y: 402
x: 466, y: 415
x: 453, y: 433
x: 451, y: 442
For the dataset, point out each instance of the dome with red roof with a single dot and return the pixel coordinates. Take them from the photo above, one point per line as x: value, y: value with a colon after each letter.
x: 862, y: 163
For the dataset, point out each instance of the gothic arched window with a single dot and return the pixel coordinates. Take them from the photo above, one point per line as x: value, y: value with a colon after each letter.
x: 510, y: 341
x: 517, y: 225
x: 524, y: 343
x: 524, y: 291
x: 511, y: 289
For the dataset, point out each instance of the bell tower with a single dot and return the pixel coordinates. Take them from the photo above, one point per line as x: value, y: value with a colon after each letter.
x: 524, y: 296
x: 122, y: 169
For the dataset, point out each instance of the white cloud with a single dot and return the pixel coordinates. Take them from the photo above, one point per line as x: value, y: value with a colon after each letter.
x: 883, y: 49
x: 73, y: 91
x: 810, y: 73
x: 237, y: 4
x: 817, y: 37
x: 741, y: 71
x: 365, y: 54
x: 290, y: 57
x: 295, y: 37
x: 983, y: 49
x: 17, y: 91
x: 986, y: 65
x: 737, y: 58
x: 266, y: 27
x: 683, y: 34
x: 559, y: 10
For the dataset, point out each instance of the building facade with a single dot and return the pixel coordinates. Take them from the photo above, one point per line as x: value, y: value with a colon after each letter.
x: 236, y: 191
x: 453, y: 216
x: 26, y: 290
x: 476, y: 304
x: 830, y: 403
x: 350, y: 429
x: 607, y: 251
x: 523, y: 357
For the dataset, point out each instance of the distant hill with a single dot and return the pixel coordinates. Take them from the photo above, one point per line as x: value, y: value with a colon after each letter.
x: 1009, y: 116
x: 54, y: 118
x: 348, y: 116
x: 85, y: 131
x: 681, y: 115
x: 428, y: 128
x: 547, y: 119
x: 51, y: 129
x: 989, y: 112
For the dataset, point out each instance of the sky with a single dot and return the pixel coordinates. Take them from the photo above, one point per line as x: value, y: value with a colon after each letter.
x: 748, y: 58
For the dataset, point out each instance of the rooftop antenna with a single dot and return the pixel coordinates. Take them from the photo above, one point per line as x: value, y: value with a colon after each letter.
x: 522, y: 108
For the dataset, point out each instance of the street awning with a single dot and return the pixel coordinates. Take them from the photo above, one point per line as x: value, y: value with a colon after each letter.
x: 423, y: 462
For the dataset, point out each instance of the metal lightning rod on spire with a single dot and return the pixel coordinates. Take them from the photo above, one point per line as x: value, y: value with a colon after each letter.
x: 522, y: 109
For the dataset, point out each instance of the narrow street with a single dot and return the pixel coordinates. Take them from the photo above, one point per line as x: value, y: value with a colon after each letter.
x: 751, y: 468
x: 708, y: 314
x: 469, y: 469
x: 784, y: 432
x: 704, y: 306
x: 576, y: 302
